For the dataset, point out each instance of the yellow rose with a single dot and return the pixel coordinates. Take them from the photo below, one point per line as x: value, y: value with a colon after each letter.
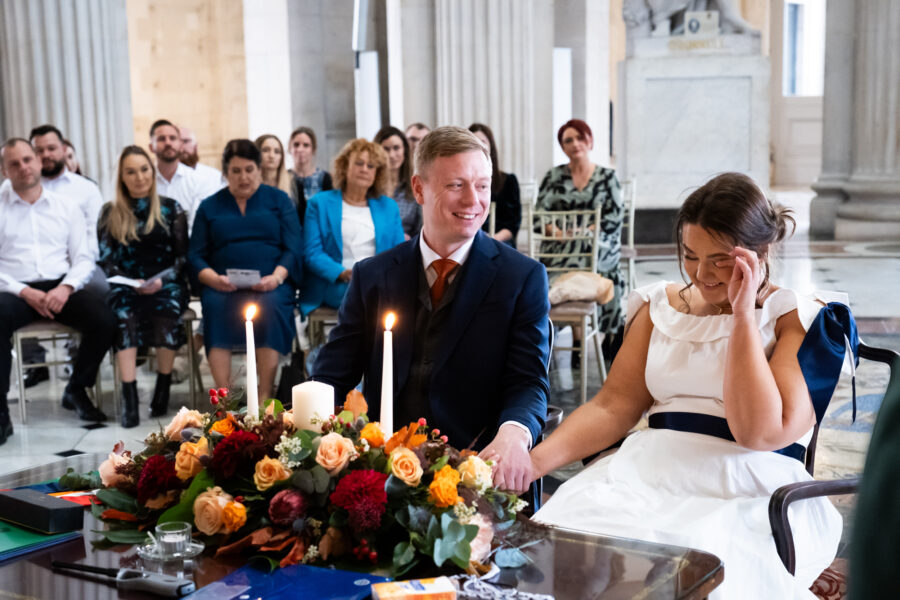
x: 406, y: 467
x: 183, y: 419
x: 335, y: 451
x: 268, y: 472
x: 208, y: 509
x: 107, y: 469
x: 234, y: 516
x: 442, y: 491
x: 224, y: 426
x: 475, y: 474
x: 373, y: 434
x: 187, y: 460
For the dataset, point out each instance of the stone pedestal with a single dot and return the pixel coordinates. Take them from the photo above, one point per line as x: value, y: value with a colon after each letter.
x: 690, y: 115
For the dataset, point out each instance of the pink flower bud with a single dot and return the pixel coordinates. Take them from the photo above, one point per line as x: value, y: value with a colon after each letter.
x: 422, y: 422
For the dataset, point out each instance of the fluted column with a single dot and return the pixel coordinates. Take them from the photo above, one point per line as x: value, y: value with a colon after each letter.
x: 65, y: 62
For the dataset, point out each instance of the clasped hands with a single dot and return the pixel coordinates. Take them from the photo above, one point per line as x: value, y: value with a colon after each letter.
x: 47, y: 304
x: 512, y: 463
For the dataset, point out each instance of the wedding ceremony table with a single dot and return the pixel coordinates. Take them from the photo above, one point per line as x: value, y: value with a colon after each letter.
x: 565, y: 564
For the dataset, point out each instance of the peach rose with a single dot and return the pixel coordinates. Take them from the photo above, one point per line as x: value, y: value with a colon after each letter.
x: 187, y: 460
x: 234, y: 516
x: 335, y: 451
x: 208, y: 509
x: 481, y: 545
x: 183, y: 419
x: 269, y: 471
x: 475, y: 474
x: 442, y: 490
x: 107, y: 469
x: 373, y: 434
x: 406, y: 467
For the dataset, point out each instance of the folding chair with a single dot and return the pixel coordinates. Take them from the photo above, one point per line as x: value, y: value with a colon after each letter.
x: 629, y: 253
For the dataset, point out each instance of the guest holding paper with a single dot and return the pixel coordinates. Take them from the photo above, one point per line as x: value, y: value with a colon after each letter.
x: 142, y: 234
x: 250, y: 226
x: 347, y: 224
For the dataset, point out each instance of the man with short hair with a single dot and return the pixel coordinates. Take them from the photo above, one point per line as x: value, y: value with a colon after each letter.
x: 414, y: 134
x: 44, y: 264
x: 173, y: 178
x: 210, y: 177
x: 471, y: 342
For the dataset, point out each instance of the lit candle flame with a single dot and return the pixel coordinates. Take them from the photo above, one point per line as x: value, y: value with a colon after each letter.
x: 250, y: 312
x: 389, y: 320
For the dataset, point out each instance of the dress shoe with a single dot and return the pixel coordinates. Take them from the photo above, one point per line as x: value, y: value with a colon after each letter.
x: 159, y: 406
x: 75, y: 398
x: 35, y: 375
x: 130, y: 416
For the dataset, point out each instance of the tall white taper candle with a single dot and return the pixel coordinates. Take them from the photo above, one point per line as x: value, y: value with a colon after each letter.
x: 252, y: 391
x: 387, y: 377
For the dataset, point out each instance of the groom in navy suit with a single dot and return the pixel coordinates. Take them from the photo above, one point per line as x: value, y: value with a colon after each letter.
x: 471, y: 342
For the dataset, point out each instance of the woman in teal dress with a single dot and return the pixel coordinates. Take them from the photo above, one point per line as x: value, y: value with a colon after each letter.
x: 142, y: 234
x: 246, y: 225
x: 582, y: 185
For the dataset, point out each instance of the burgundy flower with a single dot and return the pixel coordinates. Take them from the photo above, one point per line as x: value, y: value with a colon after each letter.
x: 286, y: 507
x: 157, y: 477
x: 237, y: 454
x: 362, y: 495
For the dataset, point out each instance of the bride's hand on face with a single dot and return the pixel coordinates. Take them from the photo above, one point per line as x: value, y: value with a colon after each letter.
x: 745, y: 280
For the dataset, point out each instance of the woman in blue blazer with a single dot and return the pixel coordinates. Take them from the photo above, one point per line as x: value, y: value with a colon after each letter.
x: 347, y: 224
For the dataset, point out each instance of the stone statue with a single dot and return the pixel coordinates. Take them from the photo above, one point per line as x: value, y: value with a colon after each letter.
x: 644, y: 17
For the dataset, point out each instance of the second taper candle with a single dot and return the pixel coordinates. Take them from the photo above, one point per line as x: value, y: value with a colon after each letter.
x: 252, y: 391
x: 387, y: 377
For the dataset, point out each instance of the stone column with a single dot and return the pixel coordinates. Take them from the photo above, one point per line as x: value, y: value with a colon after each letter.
x: 858, y: 192
x: 66, y: 63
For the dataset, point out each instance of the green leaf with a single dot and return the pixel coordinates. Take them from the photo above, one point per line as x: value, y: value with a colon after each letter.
x: 321, y: 479
x: 301, y: 455
x: 347, y: 416
x: 440, y: 463
x: 279, y: 407
x: 511, y: 558
x: 184, y: 510
x: 124, y: 536
x: 303, y: 481
x: 434, y: 530
x: 306, y: 437
x: 80, y: 481
x: 117, y: 499
x: 395, y: 488
x: 420, y: 543
x: 404, y: 553
x: 264, y: 563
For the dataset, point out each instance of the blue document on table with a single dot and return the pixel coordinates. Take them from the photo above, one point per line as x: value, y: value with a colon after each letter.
x: 297, y: 581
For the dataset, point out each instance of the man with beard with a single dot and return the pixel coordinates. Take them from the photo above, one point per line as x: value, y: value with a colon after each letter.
x: 210, y: 177
x: 174, y: 179
x: 44, y: 264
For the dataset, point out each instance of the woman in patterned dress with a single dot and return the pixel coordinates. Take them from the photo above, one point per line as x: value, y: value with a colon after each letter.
x: 142, y: 234
x: 582, y: 185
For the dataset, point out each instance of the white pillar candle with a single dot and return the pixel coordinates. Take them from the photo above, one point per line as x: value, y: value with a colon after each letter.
x: 252, y: 391
x: 387, y: 377
x: 311, y: 399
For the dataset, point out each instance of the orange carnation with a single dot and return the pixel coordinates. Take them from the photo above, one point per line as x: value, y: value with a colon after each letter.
x: 373, y: 434
x: 442, y: 490
x: 234, y: 516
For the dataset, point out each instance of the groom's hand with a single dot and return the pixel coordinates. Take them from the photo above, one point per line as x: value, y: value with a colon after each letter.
x: 509, y: 451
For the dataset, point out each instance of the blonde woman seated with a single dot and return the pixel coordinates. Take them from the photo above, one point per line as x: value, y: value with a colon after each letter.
x: 714, y: 364
x: 272, y: 167
x: 345, y: 225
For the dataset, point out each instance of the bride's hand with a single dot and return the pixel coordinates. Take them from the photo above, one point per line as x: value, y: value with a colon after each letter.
x: 745, y: 279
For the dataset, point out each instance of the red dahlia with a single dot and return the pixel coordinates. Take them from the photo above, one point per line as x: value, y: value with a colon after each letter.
x: 237, y: 453
x: 157, y: 477
x: 362, y: 495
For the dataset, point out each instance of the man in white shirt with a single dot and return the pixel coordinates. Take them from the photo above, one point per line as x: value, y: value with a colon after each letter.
x: 44, y: 264
x: 210, y: 177
x: 174, y: 179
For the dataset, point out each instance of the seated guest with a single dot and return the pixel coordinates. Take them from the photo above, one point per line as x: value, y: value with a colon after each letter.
x: 142, y: 235
x: 714, y: 362
x: 347, y: 224
x: 247, y: 225
x: 415, y: 133
x: 504, y: 191
x: 273, y: 171
x: 309, y: 179
x: 400, y: 171
x: 72, y: 163
x: 44, y: 264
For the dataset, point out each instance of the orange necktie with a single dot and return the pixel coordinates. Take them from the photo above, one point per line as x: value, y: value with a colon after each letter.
x: 442, y: 267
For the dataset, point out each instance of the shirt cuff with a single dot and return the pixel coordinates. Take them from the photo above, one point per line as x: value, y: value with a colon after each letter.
x: 523, y: 428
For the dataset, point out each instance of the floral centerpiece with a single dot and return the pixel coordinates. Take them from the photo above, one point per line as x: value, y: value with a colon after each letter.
x: 347, y: 490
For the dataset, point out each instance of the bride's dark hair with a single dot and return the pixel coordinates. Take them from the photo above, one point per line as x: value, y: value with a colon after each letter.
x: 732, y: 207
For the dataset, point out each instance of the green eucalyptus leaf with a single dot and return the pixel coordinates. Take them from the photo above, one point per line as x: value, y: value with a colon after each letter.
x: 303, y: 481
x: 404, y: 553
x: 321, y: 479
x: 511, y: 558
x: 395, y: 488
x: 117, y: 499
x: 434, y: 530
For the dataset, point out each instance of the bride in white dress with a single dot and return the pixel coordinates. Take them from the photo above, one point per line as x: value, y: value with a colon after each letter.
x: 719, y: 352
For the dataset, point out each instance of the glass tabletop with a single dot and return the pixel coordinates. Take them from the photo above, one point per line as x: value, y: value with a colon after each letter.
x: 565, y: 563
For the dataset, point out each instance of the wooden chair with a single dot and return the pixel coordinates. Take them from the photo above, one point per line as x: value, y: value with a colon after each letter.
x: 548, y: 234
x: 629, y: 253
x: 44, y: 330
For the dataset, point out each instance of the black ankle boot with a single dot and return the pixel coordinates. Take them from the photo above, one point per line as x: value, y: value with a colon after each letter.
x: 130, y: 416
x: 160, y: 403
x: 6, y: 428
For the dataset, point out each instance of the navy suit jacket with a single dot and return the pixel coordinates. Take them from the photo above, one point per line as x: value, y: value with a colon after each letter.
x: 492, y: 363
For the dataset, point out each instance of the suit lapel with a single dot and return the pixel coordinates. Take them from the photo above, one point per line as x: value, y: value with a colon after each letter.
x: 401, y: 281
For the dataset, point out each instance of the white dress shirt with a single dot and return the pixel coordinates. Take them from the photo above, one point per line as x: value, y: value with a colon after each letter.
x: 86, y: 194
x: 357, y: 234
x: 186, y: 188
x: 41, y: 241
x: 459, y: 256
x: 211, y: 180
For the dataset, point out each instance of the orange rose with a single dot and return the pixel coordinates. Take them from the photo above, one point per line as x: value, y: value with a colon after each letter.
x: 406, y: 467
x: 335, y: 451
x: 182, y: 420
x: 224, y: 426
x: 442, y: 491
x: 268, y: 472
x: 234, y: 516
x: 187, y: 461
x: 208, y: 510
x: 373, y: 434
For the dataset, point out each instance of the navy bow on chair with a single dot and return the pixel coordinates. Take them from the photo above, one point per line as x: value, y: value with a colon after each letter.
x: 821, y: 355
